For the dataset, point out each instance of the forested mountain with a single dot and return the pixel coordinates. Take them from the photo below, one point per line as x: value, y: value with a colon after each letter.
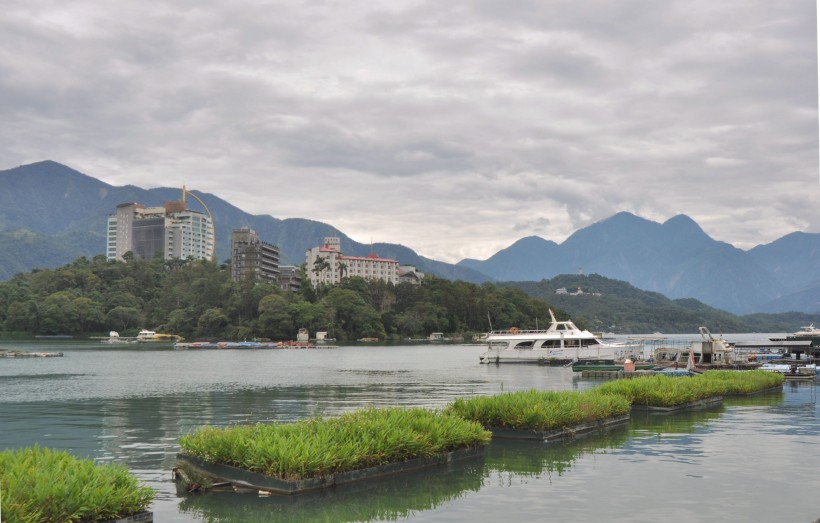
x: 608, y: 305
x: 51, y: 214
x: 675, y: 258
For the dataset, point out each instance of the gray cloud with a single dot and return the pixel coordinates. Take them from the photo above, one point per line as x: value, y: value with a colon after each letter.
x: 454, y: 129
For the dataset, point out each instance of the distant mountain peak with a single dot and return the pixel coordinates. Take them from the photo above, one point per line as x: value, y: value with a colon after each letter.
x: 682, y: 225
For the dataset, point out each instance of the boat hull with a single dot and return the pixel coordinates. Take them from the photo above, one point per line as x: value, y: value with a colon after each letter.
x: 559, y: 356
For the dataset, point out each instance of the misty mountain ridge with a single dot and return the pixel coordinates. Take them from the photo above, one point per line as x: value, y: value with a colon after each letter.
x: 50, y: 214
x: 675, y: 258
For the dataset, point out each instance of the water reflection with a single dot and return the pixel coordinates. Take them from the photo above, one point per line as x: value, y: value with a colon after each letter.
x: 387, y: 500
x: 527, y: 458
x: 130, y: 406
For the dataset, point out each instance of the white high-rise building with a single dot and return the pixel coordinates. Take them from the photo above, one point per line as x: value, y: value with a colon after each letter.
x: 173, y: 230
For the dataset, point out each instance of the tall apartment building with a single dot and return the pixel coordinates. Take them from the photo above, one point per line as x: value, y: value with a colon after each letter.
x: 327, y: 264
x: 250, y: 255
x: 173, y: 230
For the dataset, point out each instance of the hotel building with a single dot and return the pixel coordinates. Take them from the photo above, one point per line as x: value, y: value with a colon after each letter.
x: 173, y: 230
x: 337, y: 266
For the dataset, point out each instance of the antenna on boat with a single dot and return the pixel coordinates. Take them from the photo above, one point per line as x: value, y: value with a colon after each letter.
x: 489, y: 321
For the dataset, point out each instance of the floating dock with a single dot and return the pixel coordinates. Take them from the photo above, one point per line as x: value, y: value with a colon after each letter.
x: 23, y: 354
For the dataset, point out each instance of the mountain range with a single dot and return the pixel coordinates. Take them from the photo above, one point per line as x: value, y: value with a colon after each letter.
x: 675, y: 258
x: 50, y: 214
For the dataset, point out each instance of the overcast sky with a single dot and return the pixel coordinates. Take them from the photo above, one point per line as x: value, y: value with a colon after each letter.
x: 454, y: 128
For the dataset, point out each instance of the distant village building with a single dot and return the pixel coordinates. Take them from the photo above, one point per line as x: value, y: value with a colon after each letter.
x: 252, y: 256
x: 409, y: 274
x: 289, y: 278
x: 579, y: 291
x: 173, y: 230
x: 327, y: 264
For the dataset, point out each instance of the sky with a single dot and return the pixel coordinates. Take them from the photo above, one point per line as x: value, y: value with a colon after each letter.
x: 453, y: 128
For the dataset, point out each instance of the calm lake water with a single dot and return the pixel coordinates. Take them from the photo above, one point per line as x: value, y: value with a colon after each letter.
x: 753, y: 459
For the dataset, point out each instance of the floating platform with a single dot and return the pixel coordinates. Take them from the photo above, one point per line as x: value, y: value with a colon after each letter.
x: 693, y: 405
x: 761, y: 392
x: 244, y: 479
x: 616, y: 374
x: 559, y: 434
x: 23, y: 354
x: 142, y: 517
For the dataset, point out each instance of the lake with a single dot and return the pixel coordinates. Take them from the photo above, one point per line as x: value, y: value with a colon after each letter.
x: 752, y: 459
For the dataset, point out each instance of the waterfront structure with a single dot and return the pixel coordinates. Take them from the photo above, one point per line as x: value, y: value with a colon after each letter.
x: 327, y: 264
x: 172, y: 230
x: 252, y: 256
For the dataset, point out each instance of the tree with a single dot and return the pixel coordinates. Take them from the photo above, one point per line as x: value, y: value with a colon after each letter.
x: 274, y: 318
x: 211, y: 322
x: 58, y: 314
x: 89, y: 314
x: 122, y: 318
x: 23, y: 316
x: 353, y: 314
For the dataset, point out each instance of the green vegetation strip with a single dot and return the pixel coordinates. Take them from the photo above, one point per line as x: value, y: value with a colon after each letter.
x: 44, y: 486
x: 745, y: 382
x: 539, y: 410
x: 322, y: 446
x: 666, y: 391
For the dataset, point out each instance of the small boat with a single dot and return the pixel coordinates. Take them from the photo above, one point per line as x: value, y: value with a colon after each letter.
x: 114, y: 338
x: 242, y: 345
x: 146, y: 335
x: 562, y: 342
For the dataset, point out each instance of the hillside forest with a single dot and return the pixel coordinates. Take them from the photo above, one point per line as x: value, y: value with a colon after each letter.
x: 199, y: 300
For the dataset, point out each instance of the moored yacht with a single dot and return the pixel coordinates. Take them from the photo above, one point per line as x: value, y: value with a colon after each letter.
x: 561, y: 342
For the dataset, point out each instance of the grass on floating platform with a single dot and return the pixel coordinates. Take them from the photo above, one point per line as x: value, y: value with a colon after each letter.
x: 666, y: 391
x: 44, y: 486
x: 539, y: 410
x: 321, y: 446
x: 744, y: 382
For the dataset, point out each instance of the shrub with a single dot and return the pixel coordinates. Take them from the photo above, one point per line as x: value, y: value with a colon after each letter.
x: 47, y: 486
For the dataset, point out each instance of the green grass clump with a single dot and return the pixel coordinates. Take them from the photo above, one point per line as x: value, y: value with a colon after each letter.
x: 667, y: 391
x: 745, y: 382
x: 539, y: 410
x: 663, y: 391
x: 321, y: 446
x: 45, y: 486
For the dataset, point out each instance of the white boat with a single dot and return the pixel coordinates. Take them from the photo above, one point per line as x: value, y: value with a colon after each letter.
x: 561, y: 342
x: 114, y: 338
x: 146, y: 335
x: 807, y: 331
